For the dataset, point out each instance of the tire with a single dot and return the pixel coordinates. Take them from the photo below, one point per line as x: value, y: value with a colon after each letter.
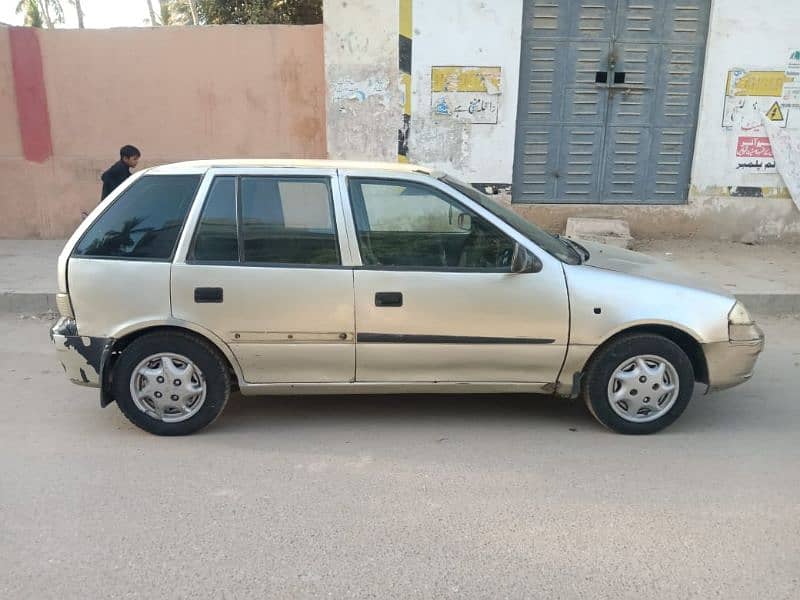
x: 157, y: 358
x: 623, y: 390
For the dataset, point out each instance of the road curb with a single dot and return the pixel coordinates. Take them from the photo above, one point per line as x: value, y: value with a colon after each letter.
x: 771, y: 304
x: 759, y: 304
x: 27, y: 302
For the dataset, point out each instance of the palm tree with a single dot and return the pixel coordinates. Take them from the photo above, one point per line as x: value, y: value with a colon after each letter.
x: 35, y: 11
x: 79, y: 10
x: 178, y: 12
x: 49, y: 11
x: 193, y: 10
x: 184, y: 12
x: 53, y: 12
x: 153, y: 20
x: 33, y: 17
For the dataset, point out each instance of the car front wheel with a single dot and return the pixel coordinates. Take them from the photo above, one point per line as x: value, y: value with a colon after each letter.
x: 638, y: 383
x: 171, y: 383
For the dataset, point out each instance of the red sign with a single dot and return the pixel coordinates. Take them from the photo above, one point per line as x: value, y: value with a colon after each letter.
x: 753, y: 147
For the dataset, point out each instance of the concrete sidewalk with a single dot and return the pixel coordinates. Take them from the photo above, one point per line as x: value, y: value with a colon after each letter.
x: 765, y: 277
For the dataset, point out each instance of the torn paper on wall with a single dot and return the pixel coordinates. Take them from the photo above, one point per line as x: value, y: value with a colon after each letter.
x: 466, y: 93
x: 785, y: 145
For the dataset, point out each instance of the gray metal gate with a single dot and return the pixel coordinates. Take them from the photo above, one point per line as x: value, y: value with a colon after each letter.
x: 609, y: 92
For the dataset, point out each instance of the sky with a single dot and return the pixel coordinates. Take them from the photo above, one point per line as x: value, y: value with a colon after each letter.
x: 97, y: 13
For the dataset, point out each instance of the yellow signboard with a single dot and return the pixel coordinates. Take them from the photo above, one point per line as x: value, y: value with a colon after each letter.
x: 466, y: 79
x: 756, y: 83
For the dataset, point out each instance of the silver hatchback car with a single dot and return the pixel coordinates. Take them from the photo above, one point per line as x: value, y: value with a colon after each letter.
x: 298, y: 277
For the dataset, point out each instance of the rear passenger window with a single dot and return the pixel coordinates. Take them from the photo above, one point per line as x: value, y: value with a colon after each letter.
x: 288, y: 221
x: 216, y: 238
x: 144, y: 222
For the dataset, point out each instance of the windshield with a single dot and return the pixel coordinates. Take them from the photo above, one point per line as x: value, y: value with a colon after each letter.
x: 547, y: 242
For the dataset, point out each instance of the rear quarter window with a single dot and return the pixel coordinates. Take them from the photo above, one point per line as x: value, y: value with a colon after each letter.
x: 144, y: 222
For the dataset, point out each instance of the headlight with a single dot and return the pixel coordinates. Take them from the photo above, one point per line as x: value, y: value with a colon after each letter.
x: 741, y: 327
x: 739, y: 315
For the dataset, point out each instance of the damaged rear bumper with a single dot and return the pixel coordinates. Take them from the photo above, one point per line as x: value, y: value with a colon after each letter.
x: 82, y: 357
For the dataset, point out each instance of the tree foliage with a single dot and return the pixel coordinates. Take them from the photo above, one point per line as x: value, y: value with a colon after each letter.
x: 40, y: 13
x: 250, y: 12
x: 33, y: 16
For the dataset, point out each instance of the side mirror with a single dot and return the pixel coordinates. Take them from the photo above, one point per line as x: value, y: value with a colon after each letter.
x: 524, y: 262
x: 465, y: 222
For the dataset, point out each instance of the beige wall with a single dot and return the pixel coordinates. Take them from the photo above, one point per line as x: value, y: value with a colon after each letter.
x: 176, y: 93
x: 10, y: 146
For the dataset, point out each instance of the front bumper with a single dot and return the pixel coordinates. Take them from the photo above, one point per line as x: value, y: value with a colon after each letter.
x: 82, y: 357
x: 732, y: 363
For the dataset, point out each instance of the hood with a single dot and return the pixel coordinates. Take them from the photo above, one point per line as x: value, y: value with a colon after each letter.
x: 612, y: 258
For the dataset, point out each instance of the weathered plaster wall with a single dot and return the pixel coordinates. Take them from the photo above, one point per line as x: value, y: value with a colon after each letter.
x: 465, y: 33
x: 176, y: 93
x: 742, y: 34
x: 361, y: 68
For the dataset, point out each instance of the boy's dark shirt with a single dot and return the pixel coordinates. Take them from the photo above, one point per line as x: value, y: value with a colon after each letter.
x: 116, y: 174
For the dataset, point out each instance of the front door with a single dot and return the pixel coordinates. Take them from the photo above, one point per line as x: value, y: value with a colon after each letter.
x: 609, y: 94
x: 435, y: 298
x: 264, y: 272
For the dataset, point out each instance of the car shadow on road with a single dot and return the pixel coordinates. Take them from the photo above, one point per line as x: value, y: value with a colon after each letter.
x: 245, y: 412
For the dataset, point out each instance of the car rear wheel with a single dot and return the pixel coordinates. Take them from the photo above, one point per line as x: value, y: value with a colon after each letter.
x: 639, y: 383
x: 171, y: 383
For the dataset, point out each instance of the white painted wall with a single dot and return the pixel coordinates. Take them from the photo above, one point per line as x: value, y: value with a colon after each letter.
x: 745, y: 34
x: 361, y: 69
x: 465, y: 33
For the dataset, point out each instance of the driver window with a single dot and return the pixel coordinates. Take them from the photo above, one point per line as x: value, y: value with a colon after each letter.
x: 405, y: 224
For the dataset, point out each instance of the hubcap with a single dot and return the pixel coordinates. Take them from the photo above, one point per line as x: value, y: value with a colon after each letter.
x: 643, y: 388
x: 168, y: 387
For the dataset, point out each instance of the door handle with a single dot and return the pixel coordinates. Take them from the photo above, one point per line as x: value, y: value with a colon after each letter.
x: 208, y: 295
x: 389, y: 299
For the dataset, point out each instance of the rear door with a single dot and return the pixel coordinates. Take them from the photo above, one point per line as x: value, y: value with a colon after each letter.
x: 435, y: 298
x: 264, y: 270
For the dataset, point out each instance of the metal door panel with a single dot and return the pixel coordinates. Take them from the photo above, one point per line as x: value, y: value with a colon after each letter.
x: 580, y: 161
x: 282, y: 324
x: 586, y: 19
x: 626, y: 163
x: 686, y: 21
x: 678, y: 88
x: 263, y: 306
x: 584, y: 102
x: 667, y: 21
x: 669, y: 179
x: 538, y: 162
x: 478, y: 327
x: 660, y: 46
x: 640, y: 20
x: 631, y: 101
x: 544, y: 75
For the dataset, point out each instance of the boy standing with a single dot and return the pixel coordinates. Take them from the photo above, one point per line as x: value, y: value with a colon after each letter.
x: 121, y: 170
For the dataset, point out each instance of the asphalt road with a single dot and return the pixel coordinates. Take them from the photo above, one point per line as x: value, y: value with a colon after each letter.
x: 397, y: 497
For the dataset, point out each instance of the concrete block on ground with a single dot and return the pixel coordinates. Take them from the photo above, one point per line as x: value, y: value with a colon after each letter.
x: 614, y: 232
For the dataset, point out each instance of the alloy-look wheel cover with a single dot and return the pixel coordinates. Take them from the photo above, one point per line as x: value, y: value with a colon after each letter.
x: 168, y: 387
x: 643, y: 388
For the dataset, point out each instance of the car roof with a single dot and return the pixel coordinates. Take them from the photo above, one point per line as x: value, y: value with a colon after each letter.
x: 197, y: 166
